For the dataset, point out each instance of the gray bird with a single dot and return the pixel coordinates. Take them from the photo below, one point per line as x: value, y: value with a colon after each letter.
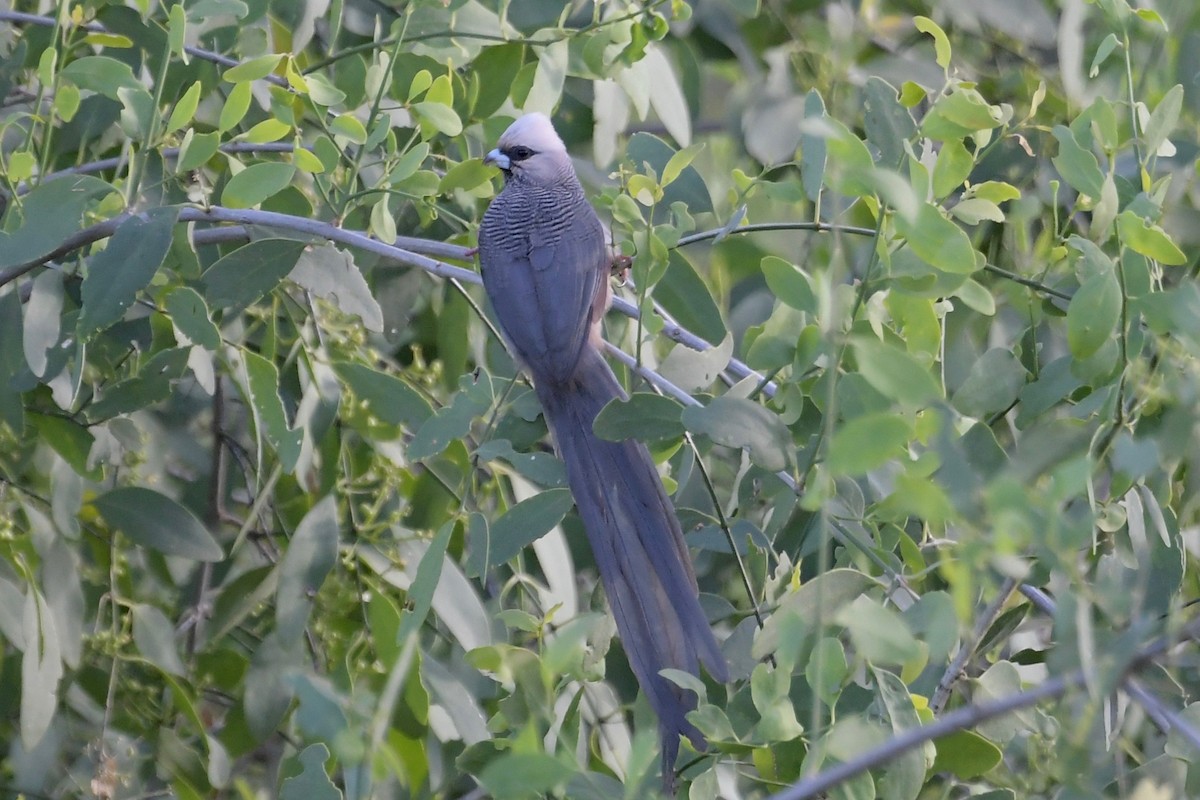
x: 546, y: 269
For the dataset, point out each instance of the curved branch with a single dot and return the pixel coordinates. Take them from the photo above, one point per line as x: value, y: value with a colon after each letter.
x: 966, y: 717
x: 1164, y: 717
x: 716, y: 234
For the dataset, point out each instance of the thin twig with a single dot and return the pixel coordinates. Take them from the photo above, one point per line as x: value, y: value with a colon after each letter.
x: 955, y: 668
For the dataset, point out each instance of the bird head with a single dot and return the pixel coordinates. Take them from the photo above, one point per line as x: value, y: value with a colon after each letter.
x: 531, y: 150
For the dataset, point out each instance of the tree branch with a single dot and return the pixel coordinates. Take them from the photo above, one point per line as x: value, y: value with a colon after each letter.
x: 966, y: 717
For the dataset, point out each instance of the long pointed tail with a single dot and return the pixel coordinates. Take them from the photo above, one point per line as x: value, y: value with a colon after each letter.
x: 638, y: 546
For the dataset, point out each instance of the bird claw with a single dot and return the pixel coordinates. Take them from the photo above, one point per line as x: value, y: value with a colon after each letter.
x: 620, y: 268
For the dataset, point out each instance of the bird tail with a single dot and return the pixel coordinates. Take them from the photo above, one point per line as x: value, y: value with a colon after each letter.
x: 638, y: 546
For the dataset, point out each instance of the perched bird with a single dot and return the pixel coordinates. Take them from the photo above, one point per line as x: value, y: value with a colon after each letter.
x: 546, y: 268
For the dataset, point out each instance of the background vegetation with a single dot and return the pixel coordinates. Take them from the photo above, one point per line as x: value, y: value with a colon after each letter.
x: 912, y: 327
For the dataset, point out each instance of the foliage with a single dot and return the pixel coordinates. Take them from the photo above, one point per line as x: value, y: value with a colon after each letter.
x: 913, y: 317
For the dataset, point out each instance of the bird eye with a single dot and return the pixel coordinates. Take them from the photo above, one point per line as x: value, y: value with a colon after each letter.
x: 520, y: 153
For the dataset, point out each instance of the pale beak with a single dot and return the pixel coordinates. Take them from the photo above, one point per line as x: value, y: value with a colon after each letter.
x: 499, y: 159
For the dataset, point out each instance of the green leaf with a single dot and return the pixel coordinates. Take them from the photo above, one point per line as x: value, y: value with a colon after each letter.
x: 313, y: 782
x: 1093, y: 314
x: 813, y: 152
x: 156, y: 521
x: 738, y: 422
x: 470, y: 174
x: 331, y: 274
x: 959, y: 114
x: 102, y: 75
x: 256, y: 183
x: 437, y: 118
x: 966, y: 755
x: 896, y: 374
x: 953, y: 166
x: 429, y: 574
x: 1078, y: 166
x: 254, y: 69
x: 47, y: 216
x: 270, y: 130
x: 118, y: 272
x: 196, y: 149
x: 941, y: 43
x: 832, y: 589
x: 789, y: 283
x: 645, y: 415
x: 888, y: 124
x: 41, y: 669
x: 686, y: 297
x: 191, y: 317
x: 1164, y: 119
x: 262, y: 382
x: 185, y: 109
x: 68, y: 438
x: 177, y: 30
x: 523, y: 775
x: 347, y: 125
x: 679, y: 162
x: 879, y: 634
x: 322, y: 91
x: 385, y: 395
x: 827, y: 669
x: 938, y: 241
x: 526, y: 522
x: 236, y: 106
x: 689, y: 188
x: 249, y: 272
x: 867, y: 442
x: 310, y: 555
x: 992, y: 385
x: 154, y: 636
x: 152, y: 384
x: 452, y: 422
x: 43, y: 320
x: 1146, y: 238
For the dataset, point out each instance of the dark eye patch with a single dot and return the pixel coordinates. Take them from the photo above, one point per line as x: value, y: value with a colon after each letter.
x: 519, y: 153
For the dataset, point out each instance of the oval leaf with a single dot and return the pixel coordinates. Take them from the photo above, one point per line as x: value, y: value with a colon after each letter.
x: 156, y: 521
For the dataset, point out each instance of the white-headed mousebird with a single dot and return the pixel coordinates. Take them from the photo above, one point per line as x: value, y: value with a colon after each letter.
x: 546, y: 268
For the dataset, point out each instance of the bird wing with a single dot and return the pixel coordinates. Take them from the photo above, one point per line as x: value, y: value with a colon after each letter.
x: 543, y: 262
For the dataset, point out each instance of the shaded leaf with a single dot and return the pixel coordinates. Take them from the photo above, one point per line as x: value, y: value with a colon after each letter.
x: 386, y: 396
x: 262, y: 382
x: 896, y: 374
x: 47, y: 215
x: 525, y: 522
x: 156, y: 521
x: 190, y: 315
x: 310, y: 556
x: 1093, y: 314
x: 992, y: 385
x: 645, y: 415
x: 154, y: 636
x: 737, y: 422
x: 332, y: 274
x: 867, y: 442
x: 41, y: 669
x: 249, y: 272
x: 118, y: 272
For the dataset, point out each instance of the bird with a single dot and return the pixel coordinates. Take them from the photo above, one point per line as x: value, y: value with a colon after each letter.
x: 546, y: 266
